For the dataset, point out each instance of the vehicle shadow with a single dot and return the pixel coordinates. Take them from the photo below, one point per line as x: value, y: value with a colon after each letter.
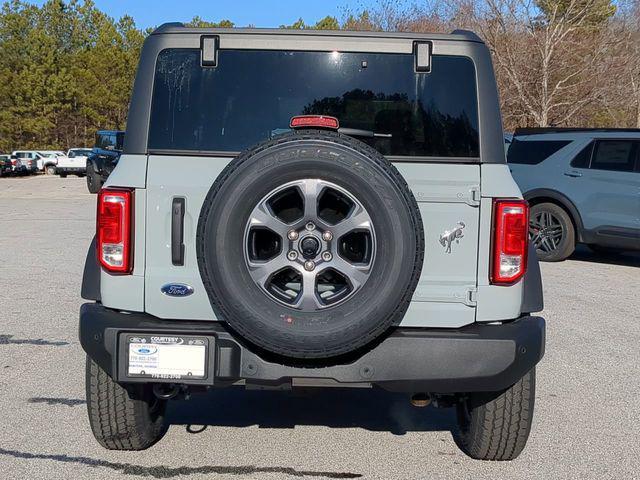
x: 625, y: 259
x: 375, y: 410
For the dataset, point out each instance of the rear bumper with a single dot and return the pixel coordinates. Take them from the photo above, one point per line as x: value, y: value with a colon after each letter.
x: 71, y: 169
x: 474, y: 358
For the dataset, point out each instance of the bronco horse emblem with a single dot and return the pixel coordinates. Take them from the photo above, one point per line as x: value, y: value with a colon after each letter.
x: 449, y: 236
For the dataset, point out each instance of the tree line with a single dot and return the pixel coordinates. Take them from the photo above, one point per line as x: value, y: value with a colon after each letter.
x: 67, y: 68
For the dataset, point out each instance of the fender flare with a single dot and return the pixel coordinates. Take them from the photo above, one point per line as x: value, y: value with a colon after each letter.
x: 96, y: 165
x: 562, y: 200
x: 91, y: 276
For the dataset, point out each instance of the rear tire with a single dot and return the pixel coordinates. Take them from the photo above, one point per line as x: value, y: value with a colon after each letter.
x: 122, y: 417
x: 552, y: 232
x: 50, y: 170
x: 496, y: 426
x: 94, y: 182
x: 63, y: 175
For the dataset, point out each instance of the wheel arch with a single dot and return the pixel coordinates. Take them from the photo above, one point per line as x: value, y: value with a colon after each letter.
x: 545, y: 195
x: 95, y: 163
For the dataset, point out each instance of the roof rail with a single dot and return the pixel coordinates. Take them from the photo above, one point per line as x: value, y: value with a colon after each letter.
x: 541, y: 130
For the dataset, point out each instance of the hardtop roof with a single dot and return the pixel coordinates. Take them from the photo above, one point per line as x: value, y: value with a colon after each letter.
x: 179, y: 28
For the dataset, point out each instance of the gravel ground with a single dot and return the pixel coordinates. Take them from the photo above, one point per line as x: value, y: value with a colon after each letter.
x: 586, y: 423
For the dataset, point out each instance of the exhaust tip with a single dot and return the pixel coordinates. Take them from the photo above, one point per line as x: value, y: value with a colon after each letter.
x: 420, y: 400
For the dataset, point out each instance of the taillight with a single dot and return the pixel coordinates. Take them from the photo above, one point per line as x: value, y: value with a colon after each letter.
x: 314, y: 121
x: 114, y: 235
x: 510, y: 241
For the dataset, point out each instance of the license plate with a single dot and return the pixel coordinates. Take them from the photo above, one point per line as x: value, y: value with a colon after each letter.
x: 166, y: 357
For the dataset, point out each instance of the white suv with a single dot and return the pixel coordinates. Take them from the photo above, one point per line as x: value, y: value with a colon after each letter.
x: 583, y: 186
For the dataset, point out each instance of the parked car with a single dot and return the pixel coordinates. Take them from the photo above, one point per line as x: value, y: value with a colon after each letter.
x: 49, y: 160
x: 28, y: 159
x: 17, y: 168
x: 369, y: 234
x: 6, y: 168
x: 104, y: 158
x: 74, y: 163
x: 80, y: 153
x: 583, y: 186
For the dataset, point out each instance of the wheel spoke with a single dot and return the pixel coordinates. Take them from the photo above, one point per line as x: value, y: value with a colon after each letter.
x: 308, y: 298
x: 262, y: 271
x: 262, y: 217
x: 549, y: 246
x: 311, y: 189
x: 541, y: 220
x: 356, y: 274
x: 535, y: 239
x: 358, y: 220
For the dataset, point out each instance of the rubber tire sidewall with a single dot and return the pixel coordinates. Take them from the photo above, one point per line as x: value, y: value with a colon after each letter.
x: 568, y: 243
x: 93, y: 180
x: 121, y: 416
x: 337, y: 330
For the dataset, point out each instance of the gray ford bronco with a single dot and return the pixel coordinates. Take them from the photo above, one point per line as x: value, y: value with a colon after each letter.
x: 313, y: 209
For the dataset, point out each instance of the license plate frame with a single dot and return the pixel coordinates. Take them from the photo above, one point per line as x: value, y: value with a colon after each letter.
x: 165, y: 362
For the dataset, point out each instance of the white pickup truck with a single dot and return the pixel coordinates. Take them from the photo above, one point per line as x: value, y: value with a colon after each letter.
x: 75, y: 162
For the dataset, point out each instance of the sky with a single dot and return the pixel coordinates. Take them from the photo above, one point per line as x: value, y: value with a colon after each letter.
x: 260, y: 13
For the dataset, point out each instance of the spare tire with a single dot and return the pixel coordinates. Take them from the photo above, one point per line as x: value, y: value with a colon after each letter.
x: 310, y: 245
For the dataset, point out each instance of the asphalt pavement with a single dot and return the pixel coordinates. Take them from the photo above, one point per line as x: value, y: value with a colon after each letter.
x: 586, y: 421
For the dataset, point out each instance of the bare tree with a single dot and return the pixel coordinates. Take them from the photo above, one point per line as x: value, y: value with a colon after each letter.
x: 551, y: 64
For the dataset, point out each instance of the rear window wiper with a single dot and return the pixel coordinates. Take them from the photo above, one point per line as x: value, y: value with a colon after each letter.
x: 356, y: 132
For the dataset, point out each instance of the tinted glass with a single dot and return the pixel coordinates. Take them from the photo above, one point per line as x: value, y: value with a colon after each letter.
x: 534, y: 151
x: 582, y: 159
x: 616, y: 155
x: 252, y: 95
x: 80, y: 153
x: 109, y: 141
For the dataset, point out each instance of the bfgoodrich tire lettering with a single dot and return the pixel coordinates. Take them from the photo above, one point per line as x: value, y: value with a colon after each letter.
x: 338, y: 329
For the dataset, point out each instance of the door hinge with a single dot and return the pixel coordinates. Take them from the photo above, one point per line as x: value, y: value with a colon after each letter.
x: 472, y: 297
x: 422, y: 53
x: 474, y: 196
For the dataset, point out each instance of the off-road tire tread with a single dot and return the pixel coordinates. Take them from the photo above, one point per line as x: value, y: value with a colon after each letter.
x: 499, y: 425
x: 392, y: 173
x: 96, y: 182
x: 119, y: 415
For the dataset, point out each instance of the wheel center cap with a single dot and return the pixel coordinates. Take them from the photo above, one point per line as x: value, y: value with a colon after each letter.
x: 309, y: 247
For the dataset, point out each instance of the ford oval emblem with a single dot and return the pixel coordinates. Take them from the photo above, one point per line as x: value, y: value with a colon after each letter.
x: 177, y: 290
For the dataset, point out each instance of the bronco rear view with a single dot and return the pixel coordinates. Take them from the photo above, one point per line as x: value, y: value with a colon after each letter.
x: 313, y: 209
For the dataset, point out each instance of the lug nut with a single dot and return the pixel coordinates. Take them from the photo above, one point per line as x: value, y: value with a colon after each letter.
x: 310, y: 226
x: 326, y: 256
x: 309, y: 265
x: 327, y: 236
x: 292, y: 255
x: 293, y: 235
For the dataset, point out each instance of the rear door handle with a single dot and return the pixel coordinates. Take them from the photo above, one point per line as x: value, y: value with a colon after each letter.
x: 177, y: 231
x: 573, y: 174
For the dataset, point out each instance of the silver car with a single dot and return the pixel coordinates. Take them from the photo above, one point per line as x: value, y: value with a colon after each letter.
x: 583, y: 186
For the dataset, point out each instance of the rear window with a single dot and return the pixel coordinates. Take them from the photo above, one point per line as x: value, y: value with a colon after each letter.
x: 252, y: 94
x: 110, y: 140
x: 533, y: 152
